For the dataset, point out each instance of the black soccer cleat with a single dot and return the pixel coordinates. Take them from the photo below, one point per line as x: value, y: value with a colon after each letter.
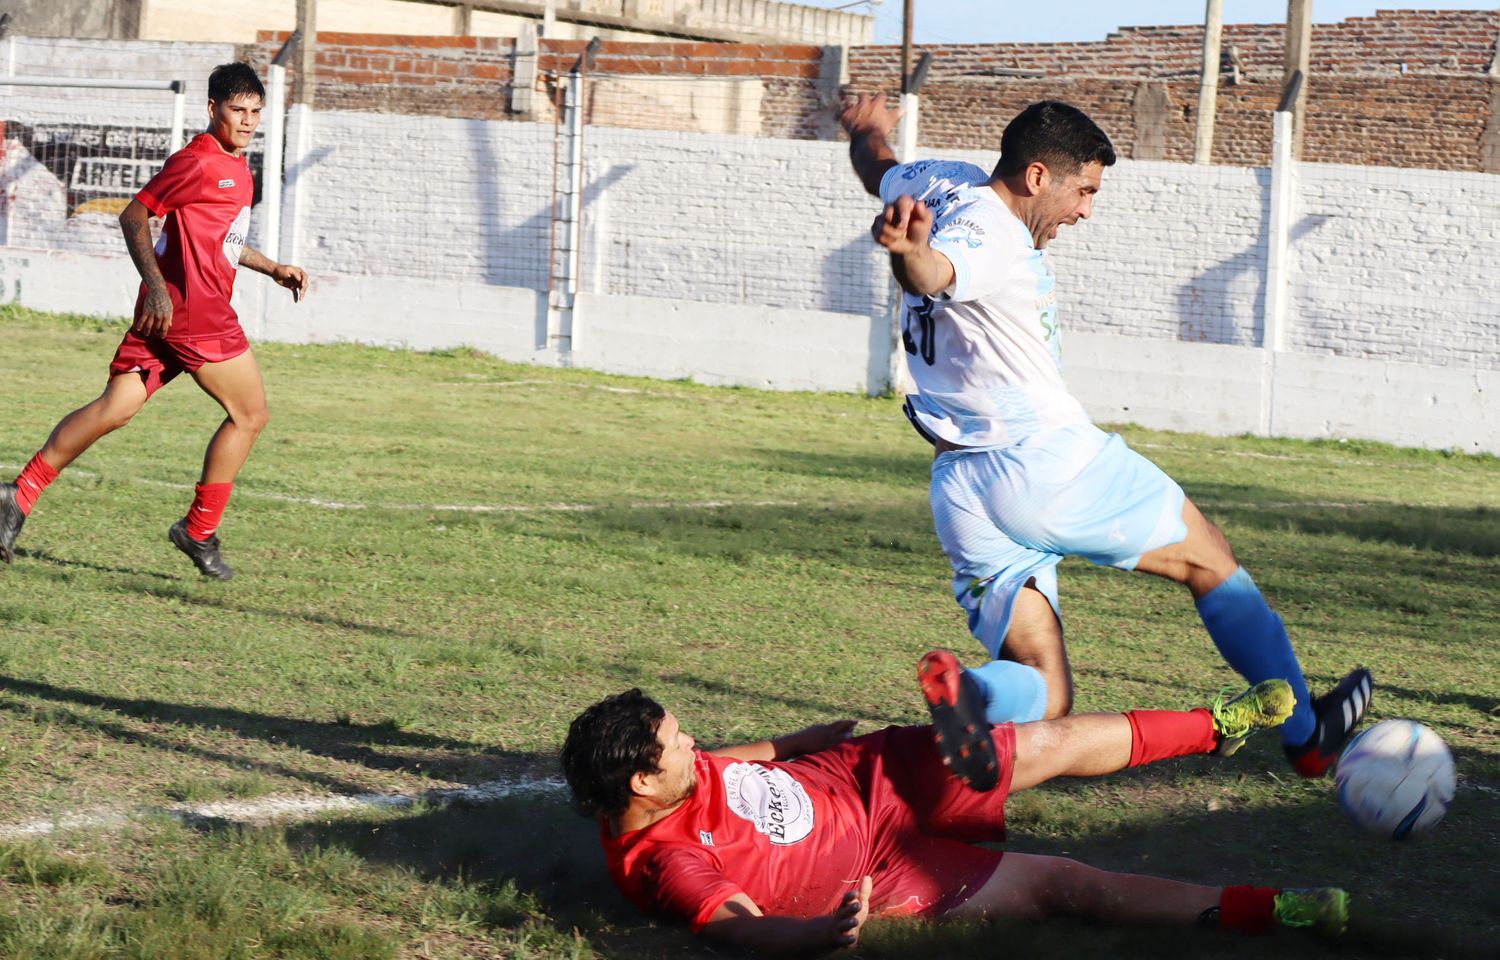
x: 203, y: 553
x: 1338, y: 712
x: 959, y: 728
x: 11, y: 519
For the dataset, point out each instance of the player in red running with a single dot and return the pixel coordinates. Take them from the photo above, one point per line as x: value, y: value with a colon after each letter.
x: 789, y: 845
x: 183, y: 319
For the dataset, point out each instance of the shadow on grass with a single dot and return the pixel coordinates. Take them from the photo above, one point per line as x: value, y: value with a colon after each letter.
x: 539, y: 848
x: 292, y: 616
x: 66, y: 563
x: 1402, y: 893
x: 354, y: 743
x: 1470, y: 530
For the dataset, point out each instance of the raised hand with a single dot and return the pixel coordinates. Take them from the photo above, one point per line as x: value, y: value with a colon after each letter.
x: 868, y: 113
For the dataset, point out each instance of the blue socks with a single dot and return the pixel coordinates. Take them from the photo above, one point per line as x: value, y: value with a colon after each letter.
x: 1014, y: 692
x: 1253, y: 641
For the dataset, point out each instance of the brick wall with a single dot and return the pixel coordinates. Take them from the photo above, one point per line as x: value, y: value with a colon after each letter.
x: 1405, y: 88
x: 471, y: 77
x: 434, y: 76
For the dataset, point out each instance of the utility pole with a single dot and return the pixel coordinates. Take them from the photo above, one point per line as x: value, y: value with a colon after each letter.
x: 908, y: 132
x: 1208, y: 85
x: 307, y: 52
x: 1298, y: 55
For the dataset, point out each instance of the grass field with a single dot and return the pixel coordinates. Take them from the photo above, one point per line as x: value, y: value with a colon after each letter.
x: 442, y: 558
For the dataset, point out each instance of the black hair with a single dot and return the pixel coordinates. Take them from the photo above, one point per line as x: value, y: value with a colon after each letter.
x: 608, y: 744
x: 1056, y: 134
x: 229, y: 80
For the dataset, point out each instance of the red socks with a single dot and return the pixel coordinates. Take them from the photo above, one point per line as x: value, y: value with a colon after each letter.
x: 1161, y: 734
x: 203, y: 517
x: 32, y: 481
x: 1248, y: 909
x: 209, y: 501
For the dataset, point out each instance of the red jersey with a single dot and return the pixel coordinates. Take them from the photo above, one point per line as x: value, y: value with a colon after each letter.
x: 205, y: 194
x: 795, y: 837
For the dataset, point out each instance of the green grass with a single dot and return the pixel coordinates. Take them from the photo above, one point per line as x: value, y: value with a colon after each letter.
x: 391, y: 646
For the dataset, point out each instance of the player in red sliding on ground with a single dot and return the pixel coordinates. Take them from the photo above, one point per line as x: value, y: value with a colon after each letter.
x: 183, y: 319
x: 789, y: 845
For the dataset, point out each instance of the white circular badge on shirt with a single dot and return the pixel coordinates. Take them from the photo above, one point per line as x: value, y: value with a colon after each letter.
x: 769, y: 798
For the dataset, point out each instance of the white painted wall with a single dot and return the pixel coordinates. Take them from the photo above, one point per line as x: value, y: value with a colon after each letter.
x: 741, y: 260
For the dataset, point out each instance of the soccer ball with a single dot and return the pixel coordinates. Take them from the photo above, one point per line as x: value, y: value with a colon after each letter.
x: 1396, y: 779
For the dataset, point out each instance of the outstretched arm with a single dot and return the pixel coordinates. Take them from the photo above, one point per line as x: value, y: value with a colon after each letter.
x: 739, y: 921
x: 286, y: 275
x: 869, y: 123
x: 811, y: 739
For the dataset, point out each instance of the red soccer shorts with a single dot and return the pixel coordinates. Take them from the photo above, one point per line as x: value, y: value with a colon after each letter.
x: 159, y: 361
x: 926, y: 821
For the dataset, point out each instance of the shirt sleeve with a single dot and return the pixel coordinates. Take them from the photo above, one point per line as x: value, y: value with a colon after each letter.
x: 981, y: 247
x: 179, y: 183
x: 904, y: 178
x: 685, y: 884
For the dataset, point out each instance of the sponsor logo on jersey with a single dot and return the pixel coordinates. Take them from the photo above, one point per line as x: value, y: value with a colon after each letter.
x: 225, y: 184
x: 962, y: 230
x: 705, y: 838
x: 234, y: 239
x: 769, y: 798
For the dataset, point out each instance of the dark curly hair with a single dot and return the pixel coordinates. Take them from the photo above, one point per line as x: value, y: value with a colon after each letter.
x: 232, y: 79
x: 1057, y: 134
x: 608, y: 744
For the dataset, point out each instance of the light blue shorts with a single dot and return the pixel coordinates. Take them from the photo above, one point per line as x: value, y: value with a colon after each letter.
x: 1006, y: 517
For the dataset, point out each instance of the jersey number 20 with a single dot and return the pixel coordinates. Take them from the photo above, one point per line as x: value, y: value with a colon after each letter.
x: 917, y: 333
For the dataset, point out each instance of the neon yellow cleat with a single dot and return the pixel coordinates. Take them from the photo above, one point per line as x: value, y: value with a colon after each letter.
x: 1267, y: 704
x: 1324, y: 909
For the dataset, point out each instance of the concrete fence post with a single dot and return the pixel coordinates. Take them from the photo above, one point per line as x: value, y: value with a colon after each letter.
x: 272, y: 160
x: 294, y: 199
x: 1278, y: 240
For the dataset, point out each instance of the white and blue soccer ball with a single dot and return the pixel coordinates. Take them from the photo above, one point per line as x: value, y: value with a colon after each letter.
x: 1396, y: 779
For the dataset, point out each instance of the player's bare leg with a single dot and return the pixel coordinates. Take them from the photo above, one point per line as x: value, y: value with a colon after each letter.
x: 1086, y: 745
x: 1035, y: 638
x: 1096, y: 744
x: 1200, y: 561
x: 1030, y: 887
x: 1027, y: 886
x: 237, y: 386
x: 1254, y: 642
x: 121, y: 400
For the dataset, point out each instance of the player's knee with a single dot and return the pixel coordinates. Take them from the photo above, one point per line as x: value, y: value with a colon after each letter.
x: 116, y: 415
x: 1056, y: 887
x: 253, y: 421
x: 1071, y: 888
x: 1059, y: 699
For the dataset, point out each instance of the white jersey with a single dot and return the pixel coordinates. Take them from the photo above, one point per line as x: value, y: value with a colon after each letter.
x: 985, y: 353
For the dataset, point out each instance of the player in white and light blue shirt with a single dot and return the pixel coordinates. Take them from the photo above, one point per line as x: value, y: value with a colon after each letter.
x: 1022, y: 478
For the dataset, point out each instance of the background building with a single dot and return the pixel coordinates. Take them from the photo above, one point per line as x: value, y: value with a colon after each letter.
x: 239, y: 21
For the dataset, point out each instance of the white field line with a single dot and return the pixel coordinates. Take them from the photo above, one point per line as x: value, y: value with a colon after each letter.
x: 556, y: 383
x: 456, y: 507
x: 268, y: 809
